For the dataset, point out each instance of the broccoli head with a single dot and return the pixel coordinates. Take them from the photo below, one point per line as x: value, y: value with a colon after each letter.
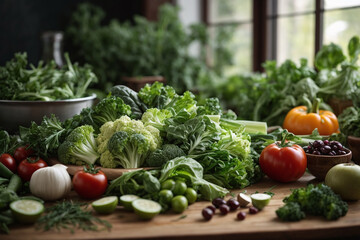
x: 108, y: 109
x: 79, y: 147
x: 129, y: 150
x: 290, y: 212
x: 126, y: 142
x: 160, y: 156
x: 318, y: 200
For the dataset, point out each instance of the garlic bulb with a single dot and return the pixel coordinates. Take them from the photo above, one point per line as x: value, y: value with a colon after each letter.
x: 50, y: 183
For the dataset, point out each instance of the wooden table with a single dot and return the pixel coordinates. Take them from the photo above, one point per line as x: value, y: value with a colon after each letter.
x: 190, y: 224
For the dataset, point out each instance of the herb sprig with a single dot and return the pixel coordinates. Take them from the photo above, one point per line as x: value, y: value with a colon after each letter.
x: 71, y: 215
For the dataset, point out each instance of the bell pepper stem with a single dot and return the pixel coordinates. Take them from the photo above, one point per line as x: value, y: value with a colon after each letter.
x: 316, y: 105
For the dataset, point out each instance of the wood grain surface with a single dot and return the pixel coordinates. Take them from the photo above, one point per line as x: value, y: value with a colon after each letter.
x: 190, y: 224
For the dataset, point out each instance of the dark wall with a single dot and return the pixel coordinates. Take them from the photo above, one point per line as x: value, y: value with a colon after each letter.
x: 23, y: 21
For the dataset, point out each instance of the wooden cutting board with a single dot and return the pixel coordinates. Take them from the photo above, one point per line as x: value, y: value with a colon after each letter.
x: 190, y: 224
x: 111, y: 173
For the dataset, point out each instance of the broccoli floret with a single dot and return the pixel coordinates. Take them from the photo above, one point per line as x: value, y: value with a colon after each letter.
x: 160, y: 156
x: 129, y: 150
x: 140, y: 142
x: 156, y: 117
x: 108, y: 109
x: 318, y: 200
x: 79, y: 147
x: 290, y: 212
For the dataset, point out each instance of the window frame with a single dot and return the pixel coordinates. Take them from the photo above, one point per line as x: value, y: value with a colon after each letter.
x: 264, y: 35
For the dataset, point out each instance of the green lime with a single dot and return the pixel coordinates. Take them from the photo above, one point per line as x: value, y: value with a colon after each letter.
x: 168, y: 184
x: 191, y: 195
x: 179, y: 204
x: 126, y: 201
x: 146, y: 209
x: 260, y: 200
x: 26, y: 211
x: 180, y: 188
x: 105, y: 205
x: 165, y: 196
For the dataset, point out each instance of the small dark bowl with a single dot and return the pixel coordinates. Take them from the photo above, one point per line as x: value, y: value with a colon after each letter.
x: 354, y: 145
x: 319, y: 165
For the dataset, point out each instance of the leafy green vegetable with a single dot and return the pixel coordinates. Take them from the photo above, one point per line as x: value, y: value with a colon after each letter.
x: 142, y: 183
x: 349, y: 121
x: 192, y: 172
x: 318, y: 200
x: 157, y: 95
x: 4, y: 141
x: 130, y: 97
x: 79, y: 147
x: 45, y: 82
x: 329, y: 56
x: 45, y: 138
x: 160, y: 156
x: 156, y: 117
x: 195, y: 136
x: 126, y: 142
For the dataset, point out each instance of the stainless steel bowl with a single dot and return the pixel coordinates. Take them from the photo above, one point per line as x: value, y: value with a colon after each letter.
x: 20, y: 113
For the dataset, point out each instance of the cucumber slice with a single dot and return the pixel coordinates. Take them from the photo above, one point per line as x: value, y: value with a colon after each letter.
x: 105, y: 205
x: 260, y: 200
x: 26, y: 211
x: 126, y: 200
x: 146, y: 209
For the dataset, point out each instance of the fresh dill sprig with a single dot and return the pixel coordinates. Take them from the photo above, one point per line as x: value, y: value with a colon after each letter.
x: 71, y: 215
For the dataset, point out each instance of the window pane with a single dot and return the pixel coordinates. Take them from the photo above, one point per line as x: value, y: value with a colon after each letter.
x: 332, y: 4
x: 295, y: 6
x: 295, y: 38
x: 340, y: 26
x: 240, y: 45
x: 230, y: 10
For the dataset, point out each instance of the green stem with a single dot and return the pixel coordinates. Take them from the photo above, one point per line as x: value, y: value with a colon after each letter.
x: 315, y: 106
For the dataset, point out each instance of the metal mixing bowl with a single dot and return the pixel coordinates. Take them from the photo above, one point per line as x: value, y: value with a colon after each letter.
x: 20, y: 113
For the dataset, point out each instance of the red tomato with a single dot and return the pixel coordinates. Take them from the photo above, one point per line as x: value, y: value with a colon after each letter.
x: 283, y: 164
x: 28, y: 166
x: 90, y: 185
x: 22, y: 152
x: 8, y: 161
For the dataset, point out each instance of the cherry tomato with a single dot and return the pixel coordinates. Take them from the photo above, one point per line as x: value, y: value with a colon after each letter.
x: 22, y: 152
x: 8, y: 161
x: 90, y: 184
x: 283, y: 164
x: 28, y: 166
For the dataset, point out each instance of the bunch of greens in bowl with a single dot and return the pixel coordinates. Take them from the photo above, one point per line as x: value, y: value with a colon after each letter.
x: 21, y: 81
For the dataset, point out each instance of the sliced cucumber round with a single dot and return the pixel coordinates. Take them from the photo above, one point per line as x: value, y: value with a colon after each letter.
x: 146, y: 209
x: 105, y: 205
x: 126, y: 200
x: 26, y: 211
x: 260, y: 200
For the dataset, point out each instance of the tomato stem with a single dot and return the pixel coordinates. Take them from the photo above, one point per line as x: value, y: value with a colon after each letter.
x: 91, y: 169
